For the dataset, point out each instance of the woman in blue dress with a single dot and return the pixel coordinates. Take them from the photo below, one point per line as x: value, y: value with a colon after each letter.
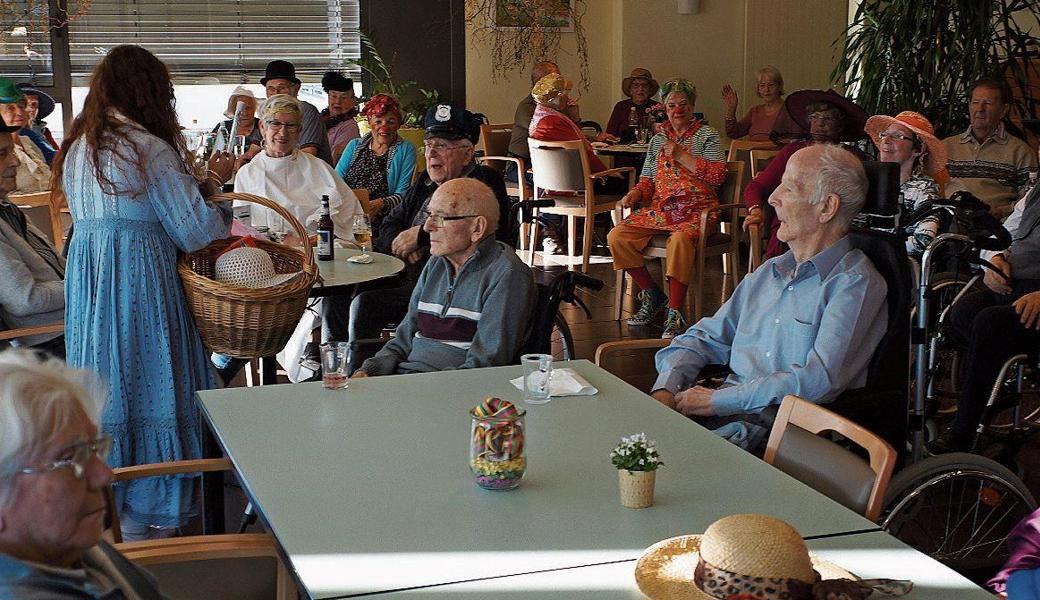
x: 126, y: 173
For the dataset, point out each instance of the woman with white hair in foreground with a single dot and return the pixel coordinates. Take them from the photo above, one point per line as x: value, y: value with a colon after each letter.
x: 53, y: 477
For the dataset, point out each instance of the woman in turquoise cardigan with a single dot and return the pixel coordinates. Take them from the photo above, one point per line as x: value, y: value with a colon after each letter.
x: 381, y: 162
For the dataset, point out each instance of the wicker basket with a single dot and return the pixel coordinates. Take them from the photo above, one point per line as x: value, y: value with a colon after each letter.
x: 245, y: 322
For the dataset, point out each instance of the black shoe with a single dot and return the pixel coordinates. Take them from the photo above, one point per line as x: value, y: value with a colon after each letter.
x: 948, y: 442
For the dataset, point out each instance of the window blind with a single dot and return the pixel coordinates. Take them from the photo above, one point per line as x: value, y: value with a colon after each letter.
x: 25, y: 42
x: 220, y: 41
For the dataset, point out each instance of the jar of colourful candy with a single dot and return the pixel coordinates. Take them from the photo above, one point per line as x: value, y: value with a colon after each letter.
x: 496, y: 448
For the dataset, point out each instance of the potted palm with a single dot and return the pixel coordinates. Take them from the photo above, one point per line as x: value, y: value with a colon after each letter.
x: 637, y: 461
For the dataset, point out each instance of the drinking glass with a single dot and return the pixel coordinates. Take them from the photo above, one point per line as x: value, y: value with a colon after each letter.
x: 642, y: 134
x: 239, y: 145
x: 334, y: 365
x: 363, y: 232
x: 537, y: 377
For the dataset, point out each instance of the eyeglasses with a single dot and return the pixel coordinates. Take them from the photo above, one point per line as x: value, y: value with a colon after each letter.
x: 439, y: 146
x: 439, y: 220
x: 280, y: 125
x: 79, y: 457
x: 822, y: 118
x: 899, y: 137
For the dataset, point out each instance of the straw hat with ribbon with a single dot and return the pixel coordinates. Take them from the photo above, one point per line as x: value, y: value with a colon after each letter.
x: 550, y: 87
x: 935, y: 158
x: 797, y: 102
x: 637, y: 73
x: 749, y: 556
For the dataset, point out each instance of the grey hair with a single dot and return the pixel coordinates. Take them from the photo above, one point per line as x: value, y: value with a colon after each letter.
x: 774, y: 74
x: 840, y: 173
x: 38, y: 400
x: 280, y: 103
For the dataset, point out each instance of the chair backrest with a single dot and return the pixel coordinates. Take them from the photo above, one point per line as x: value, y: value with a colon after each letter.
x: 631, y: 361
x: 494, y: 140
x: 738, y: 149
x: 796, y: 448
x: 43, y: 200
x: 592, y: 127
x: 363, y: 199
x: 760, y: 160
x: 732, y: 189
x: 559, y: 166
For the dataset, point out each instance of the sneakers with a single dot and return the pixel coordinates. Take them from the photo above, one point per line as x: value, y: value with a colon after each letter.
x: 674, y: 324
x: 650, y: 303
x: 948, y: 441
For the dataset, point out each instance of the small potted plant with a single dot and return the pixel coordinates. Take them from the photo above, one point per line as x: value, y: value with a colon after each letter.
x: 637, y: 461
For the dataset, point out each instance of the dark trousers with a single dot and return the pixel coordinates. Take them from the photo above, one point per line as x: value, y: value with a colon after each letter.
x: 987, y: 328
x: 52, y: 348
x: 364, y: 316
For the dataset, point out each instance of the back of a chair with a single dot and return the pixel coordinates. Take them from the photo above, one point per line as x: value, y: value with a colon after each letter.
x: 731, y: 190
x: 363, y: 199
x: 559, y: 166
x: 796, y: 448
x: 739, y: 148
x: 632, y: 361
x: 760, y: 160
x: 494, y: 138
x: 44, y: 210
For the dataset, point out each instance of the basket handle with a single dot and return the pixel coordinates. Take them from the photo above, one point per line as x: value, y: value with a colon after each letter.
x: 308, y: 256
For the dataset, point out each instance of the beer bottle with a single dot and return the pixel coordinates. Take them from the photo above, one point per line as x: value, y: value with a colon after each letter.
x: 326, y: 232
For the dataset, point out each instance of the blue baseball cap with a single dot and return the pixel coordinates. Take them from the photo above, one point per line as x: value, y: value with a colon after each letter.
x: 452, y: 123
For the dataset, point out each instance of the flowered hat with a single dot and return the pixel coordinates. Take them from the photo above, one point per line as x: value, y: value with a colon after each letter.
x: 935, y: 159
x: 681, y: 85
x: 748, y: 556
x: 637, y: 73
x: 547, y: 88
x: 381, y: 104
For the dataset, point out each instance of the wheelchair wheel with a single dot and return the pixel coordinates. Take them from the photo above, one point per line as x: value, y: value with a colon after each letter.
x: 946, y: 374
x: 957, y: 508
x: 562, y: 342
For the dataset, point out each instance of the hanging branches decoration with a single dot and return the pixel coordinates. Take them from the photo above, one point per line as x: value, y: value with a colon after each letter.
x: 25, y: 23
x: 911, y: 55
x: 523, y: 32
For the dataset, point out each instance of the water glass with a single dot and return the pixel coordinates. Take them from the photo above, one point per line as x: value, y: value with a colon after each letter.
x: 537, y: 377
x: 643, y: 134
x: 334, y: 365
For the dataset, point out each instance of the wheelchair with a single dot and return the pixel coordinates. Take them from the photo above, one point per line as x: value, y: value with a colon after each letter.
x: 959, y: 507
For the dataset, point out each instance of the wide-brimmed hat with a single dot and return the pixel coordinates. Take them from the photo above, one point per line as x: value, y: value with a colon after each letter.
x: 549, y: 87
x: 248, y: 267
x: 756, y: 555
x: 637, y: 73
x: 9, y: 92
x: 936, y: 157
x: 280, y: 69
x: 798, y: 101
x: 45, y: 100
x: 452, y: 123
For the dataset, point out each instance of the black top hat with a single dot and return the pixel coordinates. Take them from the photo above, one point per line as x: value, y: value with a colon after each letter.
x: 451, y: 123
x: 280, y: 69
x: 45, y: 100
x: 334, y: 81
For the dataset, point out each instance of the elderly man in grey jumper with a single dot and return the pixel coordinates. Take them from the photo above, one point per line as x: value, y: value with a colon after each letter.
x: 32, y: 273
x: 473, y: 300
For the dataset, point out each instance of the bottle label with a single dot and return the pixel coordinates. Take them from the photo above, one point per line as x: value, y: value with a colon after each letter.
x: 325, y: 245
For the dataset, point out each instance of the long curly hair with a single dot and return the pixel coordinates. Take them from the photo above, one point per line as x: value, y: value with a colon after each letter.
x: 132, y: 82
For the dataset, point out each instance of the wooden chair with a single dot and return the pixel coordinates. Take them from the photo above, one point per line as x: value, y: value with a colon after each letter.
x: 53, y: 205
x: 738, y: 148
x: 230, y: 566
x: 796, y: 448
x: 9, y: 334
x: 562, y: 173
x: 631, y: 360
x: 725, y: 243
x: 364, y: 200
x: 494, y: 139
x: 759, y: 160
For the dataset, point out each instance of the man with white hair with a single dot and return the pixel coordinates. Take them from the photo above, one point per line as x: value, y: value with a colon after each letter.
x: 473, y: 300
x: 805, y: 323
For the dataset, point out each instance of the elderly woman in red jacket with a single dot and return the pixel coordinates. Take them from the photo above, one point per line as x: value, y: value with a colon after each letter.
x: 684, y: 165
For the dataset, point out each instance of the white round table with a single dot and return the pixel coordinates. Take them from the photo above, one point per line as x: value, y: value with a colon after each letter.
x: 338, y: 274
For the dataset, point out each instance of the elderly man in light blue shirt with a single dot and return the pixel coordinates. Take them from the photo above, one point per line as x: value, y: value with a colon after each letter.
x: 805, y: 323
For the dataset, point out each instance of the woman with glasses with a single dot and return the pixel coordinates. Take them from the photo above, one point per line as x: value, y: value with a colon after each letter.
x: 52, y: 504
x: 381, y: 162
x: 136, y: 205
x: 296, y: 180
x: 908, y: 139
x: 684, y: 166
x: 830, y: 118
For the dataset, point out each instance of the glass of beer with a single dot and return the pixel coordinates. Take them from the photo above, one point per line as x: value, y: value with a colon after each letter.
x: 363, y: 232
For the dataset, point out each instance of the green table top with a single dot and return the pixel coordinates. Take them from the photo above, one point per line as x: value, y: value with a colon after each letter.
x: 339, y: 272
x: 867, y: 555
x: 369, y: 488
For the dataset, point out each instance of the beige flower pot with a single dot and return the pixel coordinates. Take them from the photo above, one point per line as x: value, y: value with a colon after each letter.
x: 637, y: 488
